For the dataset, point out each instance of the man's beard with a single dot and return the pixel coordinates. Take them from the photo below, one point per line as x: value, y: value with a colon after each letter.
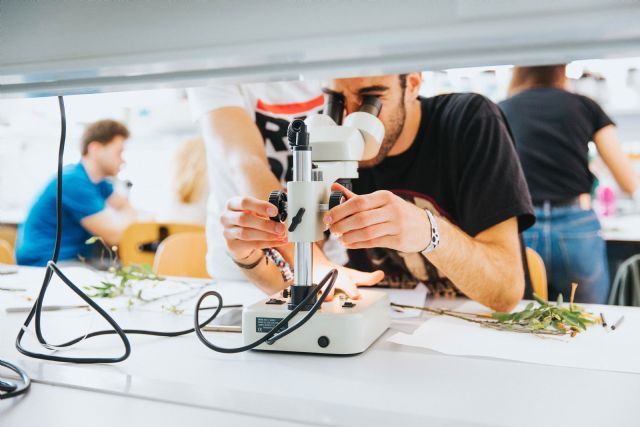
x: 392, y: 132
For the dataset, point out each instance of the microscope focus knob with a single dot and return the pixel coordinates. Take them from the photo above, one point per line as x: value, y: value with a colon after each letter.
x: 279, y: 200
x: 336, y: 198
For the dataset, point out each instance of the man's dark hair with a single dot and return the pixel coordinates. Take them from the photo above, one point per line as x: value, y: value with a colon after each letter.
x: 102, y: 131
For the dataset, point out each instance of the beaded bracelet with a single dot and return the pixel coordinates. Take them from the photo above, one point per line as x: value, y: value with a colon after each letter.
x: 285, y: 269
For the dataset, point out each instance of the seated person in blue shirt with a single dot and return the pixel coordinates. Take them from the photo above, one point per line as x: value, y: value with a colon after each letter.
x: 89, y: 205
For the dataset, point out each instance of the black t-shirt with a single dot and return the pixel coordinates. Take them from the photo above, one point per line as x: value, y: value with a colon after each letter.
x: 462, y: 165
x: 552, y: 128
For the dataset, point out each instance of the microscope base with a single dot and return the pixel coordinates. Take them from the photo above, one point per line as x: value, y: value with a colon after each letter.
x: 337, y: 328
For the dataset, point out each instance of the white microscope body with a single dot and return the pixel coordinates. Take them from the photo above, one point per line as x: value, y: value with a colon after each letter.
x: 329, y: 152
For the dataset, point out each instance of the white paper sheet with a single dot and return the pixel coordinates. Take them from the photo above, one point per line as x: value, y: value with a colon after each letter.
x: 416, y: 296
x: 30, y: 280
x: 598, y: 348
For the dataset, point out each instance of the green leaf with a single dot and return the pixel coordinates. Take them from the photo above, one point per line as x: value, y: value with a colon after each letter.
x: 575, y: 321
x: 527, y: 315
x: 501, y: 317
x: 91, y: 240
x: 540, y: 300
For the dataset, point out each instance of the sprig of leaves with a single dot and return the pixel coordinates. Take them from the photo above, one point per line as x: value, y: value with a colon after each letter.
x: 547, y: 317
x: 124, y: 277
x: 543, y: 319
x: 122, y: 284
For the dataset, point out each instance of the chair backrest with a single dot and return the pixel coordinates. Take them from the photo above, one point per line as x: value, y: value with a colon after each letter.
x: 625, y: 289
x: 6, y: 253
x: 182, y: 254
x: 141, y: 240
x: 538, y: 274
x: 8, y: 233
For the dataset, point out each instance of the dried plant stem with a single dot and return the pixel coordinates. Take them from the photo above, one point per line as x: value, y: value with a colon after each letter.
x: 473, y: 318
x: 574, y: 286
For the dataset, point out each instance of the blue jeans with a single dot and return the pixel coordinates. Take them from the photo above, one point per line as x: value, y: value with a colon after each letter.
x: 568, y: 240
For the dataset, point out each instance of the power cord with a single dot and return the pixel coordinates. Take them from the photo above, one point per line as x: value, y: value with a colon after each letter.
x: 9, y: 389
x: 52, y: 268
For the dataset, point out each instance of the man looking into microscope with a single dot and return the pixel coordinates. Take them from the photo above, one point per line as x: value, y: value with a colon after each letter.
x: 447, y: 167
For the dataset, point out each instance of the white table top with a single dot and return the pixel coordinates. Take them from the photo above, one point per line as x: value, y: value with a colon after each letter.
x: 389, y: 384
x: 622, y: 228
x: 49, y: 405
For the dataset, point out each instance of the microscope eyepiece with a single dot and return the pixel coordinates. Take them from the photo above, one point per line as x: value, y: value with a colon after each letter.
x: 334, y: 107
x: 297, y: 133
x: 371, y: 104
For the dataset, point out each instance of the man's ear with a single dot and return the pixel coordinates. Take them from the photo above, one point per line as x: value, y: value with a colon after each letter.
x: 93, y: 147
x: 414, y: 81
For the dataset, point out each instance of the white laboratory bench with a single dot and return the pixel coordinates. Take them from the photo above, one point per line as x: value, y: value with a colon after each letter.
x: 167, y: 381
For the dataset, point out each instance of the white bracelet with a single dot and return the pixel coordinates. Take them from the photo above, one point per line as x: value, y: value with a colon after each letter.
x: 435, y: 235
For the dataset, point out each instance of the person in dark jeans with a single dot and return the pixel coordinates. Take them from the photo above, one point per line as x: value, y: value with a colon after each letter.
x: 552, y: 128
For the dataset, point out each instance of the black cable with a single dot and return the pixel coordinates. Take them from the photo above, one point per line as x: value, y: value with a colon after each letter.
x: 12, y: 389
x: 331, y: 277
x: 36, y: 310
x: 312, y: 311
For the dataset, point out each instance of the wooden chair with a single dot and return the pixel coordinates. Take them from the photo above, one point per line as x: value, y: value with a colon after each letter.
x: 538, y: 274
x: 6, y: 253
x: 141, y: 240
x: 182, y: 254
x: 8, y: 233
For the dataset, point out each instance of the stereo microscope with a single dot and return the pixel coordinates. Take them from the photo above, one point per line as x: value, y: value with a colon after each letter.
x: 326, y: 149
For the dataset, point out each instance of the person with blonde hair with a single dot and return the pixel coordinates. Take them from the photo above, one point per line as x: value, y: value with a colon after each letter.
x: 188, y: 202
x: 552, y: 128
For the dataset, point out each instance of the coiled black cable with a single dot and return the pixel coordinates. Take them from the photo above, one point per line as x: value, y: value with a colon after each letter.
x: 11, y: 389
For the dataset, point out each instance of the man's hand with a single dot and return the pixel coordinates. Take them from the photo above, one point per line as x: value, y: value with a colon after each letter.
x: 379, y: 220
x: 247, y: 226
x: 348, y: 279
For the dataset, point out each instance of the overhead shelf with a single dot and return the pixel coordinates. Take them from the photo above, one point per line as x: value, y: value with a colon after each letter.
x: 76, y: 46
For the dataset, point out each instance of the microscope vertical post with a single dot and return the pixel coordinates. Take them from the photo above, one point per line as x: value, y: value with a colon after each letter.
x: 304, y: 226
x: 303, y: 260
